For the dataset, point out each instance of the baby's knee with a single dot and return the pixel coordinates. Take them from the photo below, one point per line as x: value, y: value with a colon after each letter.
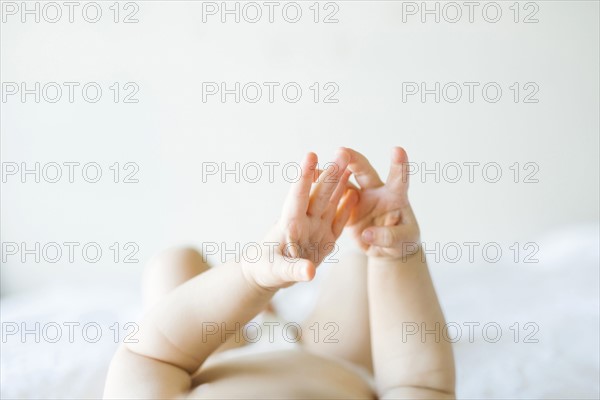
x: 178, y: 264
x: 168, y: 270
x: 181, y: 256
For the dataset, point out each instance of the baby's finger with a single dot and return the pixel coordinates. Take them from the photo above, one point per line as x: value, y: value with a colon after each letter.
x: 365, y: 174
x: 350, y: 185
x: 298, y: 197
x: 328, y: 181
x: 343, y: 213
x: 318, y: 173
x: 397, y: 179
x: 294, y: 269
x: 337, y: 196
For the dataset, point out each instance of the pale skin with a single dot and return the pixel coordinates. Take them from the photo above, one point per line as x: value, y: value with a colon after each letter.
x: 387, y: 286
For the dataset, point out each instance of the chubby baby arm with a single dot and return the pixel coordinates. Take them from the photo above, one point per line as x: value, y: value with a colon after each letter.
x: 171, y: 345
x: 400, y: 289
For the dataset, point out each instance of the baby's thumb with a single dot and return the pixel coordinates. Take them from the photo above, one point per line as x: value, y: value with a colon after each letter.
x: 294, y: 269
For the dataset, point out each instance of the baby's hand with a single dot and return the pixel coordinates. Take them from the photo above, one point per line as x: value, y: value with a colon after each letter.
x: 383, y: 222
x: 310, y: 223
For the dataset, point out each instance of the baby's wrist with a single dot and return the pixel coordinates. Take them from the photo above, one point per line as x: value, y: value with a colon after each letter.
x: 408, y: 253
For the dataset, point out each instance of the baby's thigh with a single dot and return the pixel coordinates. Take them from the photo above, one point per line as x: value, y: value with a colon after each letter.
x: 169, y: 269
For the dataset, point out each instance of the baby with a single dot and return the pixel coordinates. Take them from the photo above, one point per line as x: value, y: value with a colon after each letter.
x: 370, y: 297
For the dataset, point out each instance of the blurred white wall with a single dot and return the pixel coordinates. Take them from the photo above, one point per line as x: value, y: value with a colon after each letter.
x: 369, y: 53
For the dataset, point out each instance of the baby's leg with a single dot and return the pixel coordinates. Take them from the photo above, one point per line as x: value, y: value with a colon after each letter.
x: 343, y: 304
x: 170, y: 269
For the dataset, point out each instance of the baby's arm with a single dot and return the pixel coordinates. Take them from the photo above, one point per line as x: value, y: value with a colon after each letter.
x: 400, y: 291
x: 174, y: 339
x: 407, y: 365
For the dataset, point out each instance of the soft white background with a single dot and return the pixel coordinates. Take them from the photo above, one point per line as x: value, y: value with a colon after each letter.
x: 369, y: 53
